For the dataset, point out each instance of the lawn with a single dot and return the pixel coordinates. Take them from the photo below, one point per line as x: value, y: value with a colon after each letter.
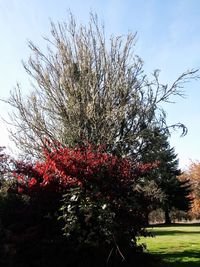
x: 177, y: 245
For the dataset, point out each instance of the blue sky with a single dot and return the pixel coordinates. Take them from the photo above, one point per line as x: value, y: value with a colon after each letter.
x: 168, y: 38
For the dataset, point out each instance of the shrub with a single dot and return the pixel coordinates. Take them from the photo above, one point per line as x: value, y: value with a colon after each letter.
x: 76, y: 201
x: 101, y: 203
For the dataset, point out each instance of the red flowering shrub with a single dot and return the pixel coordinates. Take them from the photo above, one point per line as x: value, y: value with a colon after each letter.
x: 100, y: 200
x: 73, y: 201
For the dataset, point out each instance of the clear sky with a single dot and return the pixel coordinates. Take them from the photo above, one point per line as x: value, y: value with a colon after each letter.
x: 168, y: 39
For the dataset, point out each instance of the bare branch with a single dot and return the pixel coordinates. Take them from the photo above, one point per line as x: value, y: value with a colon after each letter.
x: 86, y: 88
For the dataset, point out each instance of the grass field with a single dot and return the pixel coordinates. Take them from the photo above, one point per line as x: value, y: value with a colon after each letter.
x: 177, y: 245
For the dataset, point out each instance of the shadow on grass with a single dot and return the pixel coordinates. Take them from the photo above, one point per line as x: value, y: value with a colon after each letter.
x: 174, y: 224
x: 173, y: 232
x: 180, y: 259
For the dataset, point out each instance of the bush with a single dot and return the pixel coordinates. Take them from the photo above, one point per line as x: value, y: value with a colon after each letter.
x: 76, y: 201
x: 101, y: 205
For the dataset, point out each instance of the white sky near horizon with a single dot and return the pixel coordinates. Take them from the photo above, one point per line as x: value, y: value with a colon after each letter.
x: 168, y: 38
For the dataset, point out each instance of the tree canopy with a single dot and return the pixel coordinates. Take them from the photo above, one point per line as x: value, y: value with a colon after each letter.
x: 88, y: 88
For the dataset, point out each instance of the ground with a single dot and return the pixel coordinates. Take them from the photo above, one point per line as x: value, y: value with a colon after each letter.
x: 176, y: 245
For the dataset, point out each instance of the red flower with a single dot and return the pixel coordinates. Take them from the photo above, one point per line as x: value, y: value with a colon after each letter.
x: 90, y: 167
x: 20, y: 190
x: 32, y: 182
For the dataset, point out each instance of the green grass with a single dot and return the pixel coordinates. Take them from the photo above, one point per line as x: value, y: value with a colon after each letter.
x: 177, y: 246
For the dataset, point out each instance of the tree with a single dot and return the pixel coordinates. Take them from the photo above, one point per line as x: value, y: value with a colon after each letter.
x: 176, y: 193
x: 193, y: 174
x: 87, y: 88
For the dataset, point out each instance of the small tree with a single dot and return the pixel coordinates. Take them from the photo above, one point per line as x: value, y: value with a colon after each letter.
x: 87, y: 88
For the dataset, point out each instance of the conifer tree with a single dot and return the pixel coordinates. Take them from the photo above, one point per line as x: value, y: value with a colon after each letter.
x: 176, y: 193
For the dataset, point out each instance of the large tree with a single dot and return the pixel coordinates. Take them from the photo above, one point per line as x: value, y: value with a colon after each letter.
x: 88, y: 88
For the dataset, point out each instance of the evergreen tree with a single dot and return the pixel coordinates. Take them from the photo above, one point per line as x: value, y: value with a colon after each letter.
x: 176, y: 193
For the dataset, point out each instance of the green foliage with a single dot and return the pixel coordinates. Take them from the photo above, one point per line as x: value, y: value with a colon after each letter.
x: 175, y: 193
x: 88, y: 222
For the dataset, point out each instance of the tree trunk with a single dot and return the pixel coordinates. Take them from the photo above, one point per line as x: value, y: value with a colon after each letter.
x: 167, y: 216
x: 146, y: 219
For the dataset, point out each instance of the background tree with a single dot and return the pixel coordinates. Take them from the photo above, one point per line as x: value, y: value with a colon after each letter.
x: 193, y: 174
x: 176, y: 193
x: 87, y: 88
